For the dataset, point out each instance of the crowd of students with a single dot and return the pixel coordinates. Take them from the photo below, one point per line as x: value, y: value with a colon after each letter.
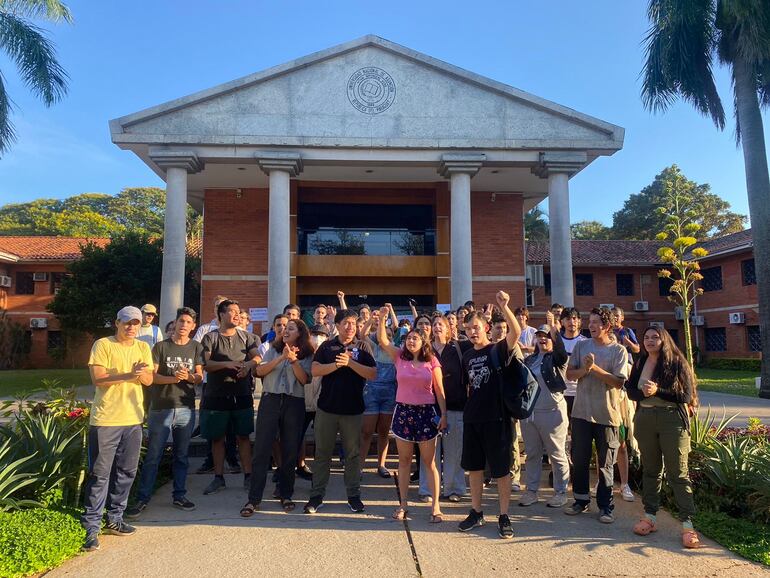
x: 430, y: 380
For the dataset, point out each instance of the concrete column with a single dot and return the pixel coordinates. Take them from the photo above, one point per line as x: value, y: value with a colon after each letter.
x: 280, y: 167
x: 460, y: 168
x: 557, y: 168
x: 177, y: 165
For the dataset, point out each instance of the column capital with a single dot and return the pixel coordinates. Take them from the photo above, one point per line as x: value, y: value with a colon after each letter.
x: 468, y: 163
x: 560, y: 162
x: 280, y: 161
x: 186, y: 160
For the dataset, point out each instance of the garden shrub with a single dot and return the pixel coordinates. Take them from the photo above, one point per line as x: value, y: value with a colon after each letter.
x: 32, y: 541
x: 734, y: 363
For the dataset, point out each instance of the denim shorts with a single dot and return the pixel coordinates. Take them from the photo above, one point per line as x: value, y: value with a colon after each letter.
x: 380, y: 394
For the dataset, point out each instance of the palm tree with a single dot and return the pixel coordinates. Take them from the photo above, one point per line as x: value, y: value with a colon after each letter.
x: 535, y: 225
x: 685, y: 39
x: 33, y: 53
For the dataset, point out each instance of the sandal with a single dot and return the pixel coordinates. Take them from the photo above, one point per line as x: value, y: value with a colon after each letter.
x: 248, y: 510
x: 287, y: 505
x: 399, y: 513
x: 644, y: 527
x: 690, y: 539
x: 383, y: 472
x: 436, y: 518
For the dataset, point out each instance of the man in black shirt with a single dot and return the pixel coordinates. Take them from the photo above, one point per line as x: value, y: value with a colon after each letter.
x: 178, y: 368
x: 487, y: 433
x: 229, y: 355
x: 344, y: 367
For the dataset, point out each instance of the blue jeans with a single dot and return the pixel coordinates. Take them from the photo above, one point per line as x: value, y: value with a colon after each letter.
x: 179, y: 422
x: 452, y: 475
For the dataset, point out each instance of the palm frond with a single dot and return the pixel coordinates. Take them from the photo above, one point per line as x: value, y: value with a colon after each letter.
x: 52, y: 10
x: 34, y: 55
x: 763, y: 83
x: 7, y: 133
x: 745, y: 24
x: 679, y: 51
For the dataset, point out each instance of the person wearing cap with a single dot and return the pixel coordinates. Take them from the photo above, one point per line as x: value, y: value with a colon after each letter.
x: 120, y: 366
x: 149, y: 332
x: 545, y: 431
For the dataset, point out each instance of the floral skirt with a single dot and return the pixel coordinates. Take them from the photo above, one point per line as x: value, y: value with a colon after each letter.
x: 414, y: 423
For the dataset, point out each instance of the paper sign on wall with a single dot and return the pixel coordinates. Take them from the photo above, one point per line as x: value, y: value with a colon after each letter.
x: 258, y: 314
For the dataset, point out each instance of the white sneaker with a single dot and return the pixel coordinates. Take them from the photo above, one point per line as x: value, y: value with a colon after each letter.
x: 528, y: 498
x: 558, y: 500
x: 594, y: 490
x: 515, y: 486
x: 626, y: 493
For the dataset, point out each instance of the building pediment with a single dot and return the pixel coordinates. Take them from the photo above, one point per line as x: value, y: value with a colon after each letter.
x: 367, y: 93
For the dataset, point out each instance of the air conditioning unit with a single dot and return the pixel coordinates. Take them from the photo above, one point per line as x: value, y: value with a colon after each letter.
x: 679, y: 313
x: 38, y: 323
x: 40, y: 276
x: 641, y: 306
x: 535, y: 275
x: 658, y: 324
x: 5, y: 281
x: 737, y: 318
x: 698, y: 320
x: 607, y: 306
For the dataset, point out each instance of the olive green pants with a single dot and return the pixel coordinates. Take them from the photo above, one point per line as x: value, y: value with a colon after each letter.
x: 664, y: 444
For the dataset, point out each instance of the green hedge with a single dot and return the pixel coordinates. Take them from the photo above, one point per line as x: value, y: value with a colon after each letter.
x: 32, y: 541
x: 736, y: 363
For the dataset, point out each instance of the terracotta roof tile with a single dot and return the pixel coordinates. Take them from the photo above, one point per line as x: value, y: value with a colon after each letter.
x: 616, y: 252
x: 729, y: 242
x: 46, y: 248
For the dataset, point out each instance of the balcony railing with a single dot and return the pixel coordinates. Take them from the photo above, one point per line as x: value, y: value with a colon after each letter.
x: 379, y: 242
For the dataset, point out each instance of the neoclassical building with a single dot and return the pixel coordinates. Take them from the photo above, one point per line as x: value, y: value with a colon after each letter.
x: 367, y: 167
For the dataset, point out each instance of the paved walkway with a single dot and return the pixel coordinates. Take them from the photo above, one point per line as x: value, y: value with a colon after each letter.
x: 215, y: 541
x: 746, y: 407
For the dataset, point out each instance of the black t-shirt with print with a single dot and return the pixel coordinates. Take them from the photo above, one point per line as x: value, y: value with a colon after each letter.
x: 342, y: 391
x: 484, y: 403
x: 170, y: 357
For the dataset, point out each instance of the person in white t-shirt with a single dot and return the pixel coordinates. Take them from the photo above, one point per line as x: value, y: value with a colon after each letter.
x: 527, y: 338
x: 149, y: 332
x: 571, y: 324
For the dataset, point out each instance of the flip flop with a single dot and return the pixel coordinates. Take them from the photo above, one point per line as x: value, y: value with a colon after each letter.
x: 399, y: 514
x: 690, y: 539
x: 287, y: 505
x: 383, y: 472
x: 248, y: 510
x: 436, y: 518
x: 644, y: 527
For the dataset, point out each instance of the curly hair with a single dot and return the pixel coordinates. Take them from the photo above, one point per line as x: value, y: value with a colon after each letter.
x: 604, y: 314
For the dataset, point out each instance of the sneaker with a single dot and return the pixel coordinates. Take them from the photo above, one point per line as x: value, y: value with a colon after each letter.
x: 528, y: 498
x: 504, y: 527
x: 313, y: 504
x: 305, y: 473
x: 606, y: 516
x: 474, y: 519
x: 383, y: 472
x: 184, y: 504
x: 559, y: 500
x: 92, y: 542
x: 576, y: 508
x: 426, y: 498
x: 453, y: 498
x: 515, y: 486
x: 215, y: 485
x: 356, y: 504
x: 626, y: 493
x: 414, y: 476
x: 206, y: 468
x: 594, y: 490
x: 136, y: 510
x: 234, y: 468
x: 119, y: 529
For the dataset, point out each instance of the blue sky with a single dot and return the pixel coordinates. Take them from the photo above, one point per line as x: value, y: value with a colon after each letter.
x: 123, y: 57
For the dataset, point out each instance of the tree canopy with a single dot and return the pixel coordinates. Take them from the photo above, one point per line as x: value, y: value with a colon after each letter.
x: 639, y: 219
x: 535, y: 225
x: 140, y: 210
x: 127, y: 271
x: 590, y: 230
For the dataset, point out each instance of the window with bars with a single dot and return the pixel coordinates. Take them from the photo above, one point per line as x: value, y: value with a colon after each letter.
x: 55, y: 340
x: 712, y: 279
x: 754, y: 337
x: 664, y: 286
x: 584, y: 284
x: 674, y: 333
x: 625, y: 284
x: 547, y: 283
x: 25, y: 283
x: 716, y: 339
x: 748, y: 274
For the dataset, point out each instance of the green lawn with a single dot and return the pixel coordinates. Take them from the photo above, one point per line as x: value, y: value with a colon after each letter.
x: 727, y: 381
x: 21, y: 382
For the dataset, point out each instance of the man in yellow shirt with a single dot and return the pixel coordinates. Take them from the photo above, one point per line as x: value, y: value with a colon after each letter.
x: 120, y: 365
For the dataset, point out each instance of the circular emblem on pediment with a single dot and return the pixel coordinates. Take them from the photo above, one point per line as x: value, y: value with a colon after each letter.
x: 371, y: 90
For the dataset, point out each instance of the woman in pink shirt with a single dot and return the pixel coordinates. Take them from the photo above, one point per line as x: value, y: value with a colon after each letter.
x: 420, y: 387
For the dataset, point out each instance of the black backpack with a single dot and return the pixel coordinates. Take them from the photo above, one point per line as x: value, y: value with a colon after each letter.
x: 519, y: 388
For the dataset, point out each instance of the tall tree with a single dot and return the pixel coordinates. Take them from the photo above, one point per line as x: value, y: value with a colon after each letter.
x: 535, y: 225
x: 684, y: 40
x: 27, y: 46
x: 638, y: 219
x: 590, y: 230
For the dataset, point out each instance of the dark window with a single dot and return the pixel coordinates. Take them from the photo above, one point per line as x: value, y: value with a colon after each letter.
x: 625, y: 284
x: 56, y: 281
x: 25, y: 285
x: 674, y: 333
x: 748, y: 274
x: 530, y: 297
x: 664, y: 286
x: 754, y: 337
x: 584, y: 284
x: 55, y: 340
x: 712, y: 279
x: 716, y: 339
x: 547, y: 283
